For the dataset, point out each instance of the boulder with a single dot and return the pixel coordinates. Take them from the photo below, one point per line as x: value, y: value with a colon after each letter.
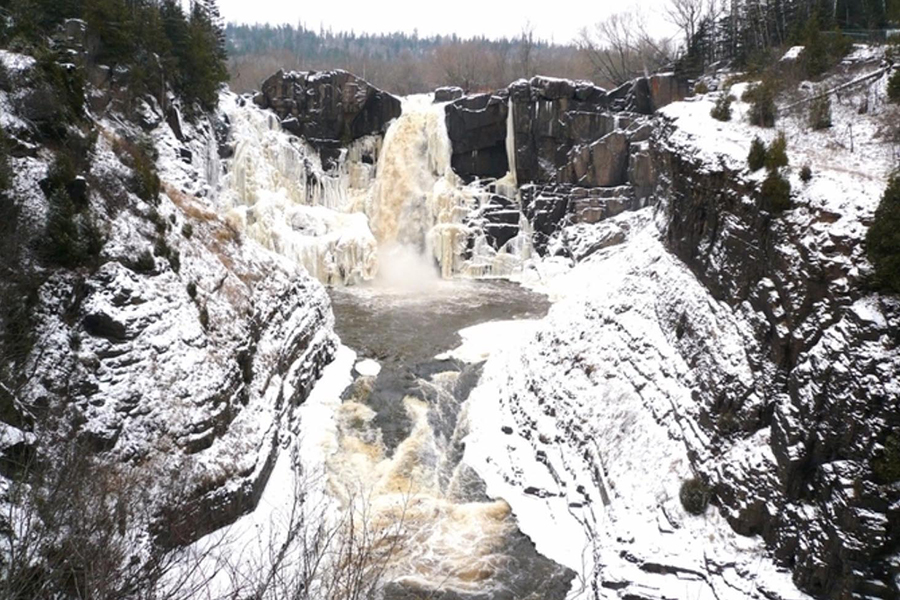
x: 447, y: 94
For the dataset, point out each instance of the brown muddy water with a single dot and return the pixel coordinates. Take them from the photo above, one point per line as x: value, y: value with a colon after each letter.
x: 401, y: 439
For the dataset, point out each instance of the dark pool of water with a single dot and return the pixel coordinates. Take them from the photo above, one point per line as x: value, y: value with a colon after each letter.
x: 400, y: 326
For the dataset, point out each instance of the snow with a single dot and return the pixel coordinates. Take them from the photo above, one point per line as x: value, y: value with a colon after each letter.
x: 368, y: 368
x: 792, y: 54
x: 594, y: 481
x: 242, y: 550
x: 482, y: 340
x: 849, y: 161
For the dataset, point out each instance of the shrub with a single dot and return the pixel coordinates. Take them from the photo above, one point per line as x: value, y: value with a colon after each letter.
x: 192, y: 290
x: 757, y: 157
x: 140, y: 157
x: 806, y: 174
x: 158, y: 222
x: 761, y: 97
x: 893, y: 89
x: 73, y: 238
x: 776, y: 155
x: 161, y: 248
x: 776, y: 192
x: 820, y: 113
x: 187, y: 230
x: 145, y: 263
x: 695, y: 496
x: 722, y: 110
x: 886, y: 466
x: 883, y: 239
x: 204, y: 317
x: 701, y: 88
x: 175, y: 260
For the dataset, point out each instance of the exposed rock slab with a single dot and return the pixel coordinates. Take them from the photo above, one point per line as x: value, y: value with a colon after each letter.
x: 328, y: 109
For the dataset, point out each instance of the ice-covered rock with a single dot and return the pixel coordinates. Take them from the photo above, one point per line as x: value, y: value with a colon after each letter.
x: 711, y: 339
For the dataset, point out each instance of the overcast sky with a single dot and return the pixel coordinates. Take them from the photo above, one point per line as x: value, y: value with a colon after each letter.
x: 559, y: 21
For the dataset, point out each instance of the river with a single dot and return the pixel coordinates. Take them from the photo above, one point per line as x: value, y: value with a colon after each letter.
x: 400, y: 435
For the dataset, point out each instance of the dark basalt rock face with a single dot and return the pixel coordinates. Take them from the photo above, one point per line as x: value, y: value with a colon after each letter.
x: 476, y: 126
x: 550, y: 207
x: 328, y: 109
x: 558, y: 125
x: 550, y: 118
x: 501, y: 218
x: 448, y: 94
x: 823, y: 366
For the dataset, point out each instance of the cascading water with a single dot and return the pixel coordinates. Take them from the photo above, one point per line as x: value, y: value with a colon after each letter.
x: 399, y: 198
x: 398, y: 443
x: 397, y: 210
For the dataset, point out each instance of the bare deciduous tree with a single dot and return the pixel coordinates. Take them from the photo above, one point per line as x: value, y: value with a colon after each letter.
x: 313, y: 550
x: 686, y: 15
x: 72, y: 528
x: 527, y: 50
x: 620, y: 49
x: 463, y: 64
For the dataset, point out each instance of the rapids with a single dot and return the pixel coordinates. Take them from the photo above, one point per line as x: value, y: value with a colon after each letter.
x: 400, y: 240
x: 400, y: 442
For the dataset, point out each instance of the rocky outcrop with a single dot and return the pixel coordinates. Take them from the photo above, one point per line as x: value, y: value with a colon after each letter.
x: 823, y: 352
x: 328, y: 109
x: 448, y: 94
x: 173, y: 344
x: 559, y: 128
x: 551, y: 208
x: 603, y: 163
x: 476, y: 126
x: 550, y: 118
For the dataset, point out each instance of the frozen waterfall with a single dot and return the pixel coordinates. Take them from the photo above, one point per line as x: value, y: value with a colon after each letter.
x: 383, y: 201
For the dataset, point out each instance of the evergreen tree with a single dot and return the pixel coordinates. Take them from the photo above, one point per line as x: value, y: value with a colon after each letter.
x: 883, y: 239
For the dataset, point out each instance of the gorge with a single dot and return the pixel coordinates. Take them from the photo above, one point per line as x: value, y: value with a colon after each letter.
x: 492, y: 334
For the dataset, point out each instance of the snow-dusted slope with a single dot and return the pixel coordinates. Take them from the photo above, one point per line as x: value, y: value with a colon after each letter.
x: 586, y: 431
x: 183, y: 347
x: 713, y: 340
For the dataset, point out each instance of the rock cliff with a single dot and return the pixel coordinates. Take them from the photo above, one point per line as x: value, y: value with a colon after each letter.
x: 329, y: 110
x: 136, y: 322
x: 709, y: 338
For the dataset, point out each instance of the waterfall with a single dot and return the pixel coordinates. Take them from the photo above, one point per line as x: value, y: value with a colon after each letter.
x: 383, y: 201
x: 277, y: 192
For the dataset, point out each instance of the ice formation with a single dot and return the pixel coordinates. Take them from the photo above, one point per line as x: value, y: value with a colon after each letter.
x: 277, y: 192
x: 380, y: 196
